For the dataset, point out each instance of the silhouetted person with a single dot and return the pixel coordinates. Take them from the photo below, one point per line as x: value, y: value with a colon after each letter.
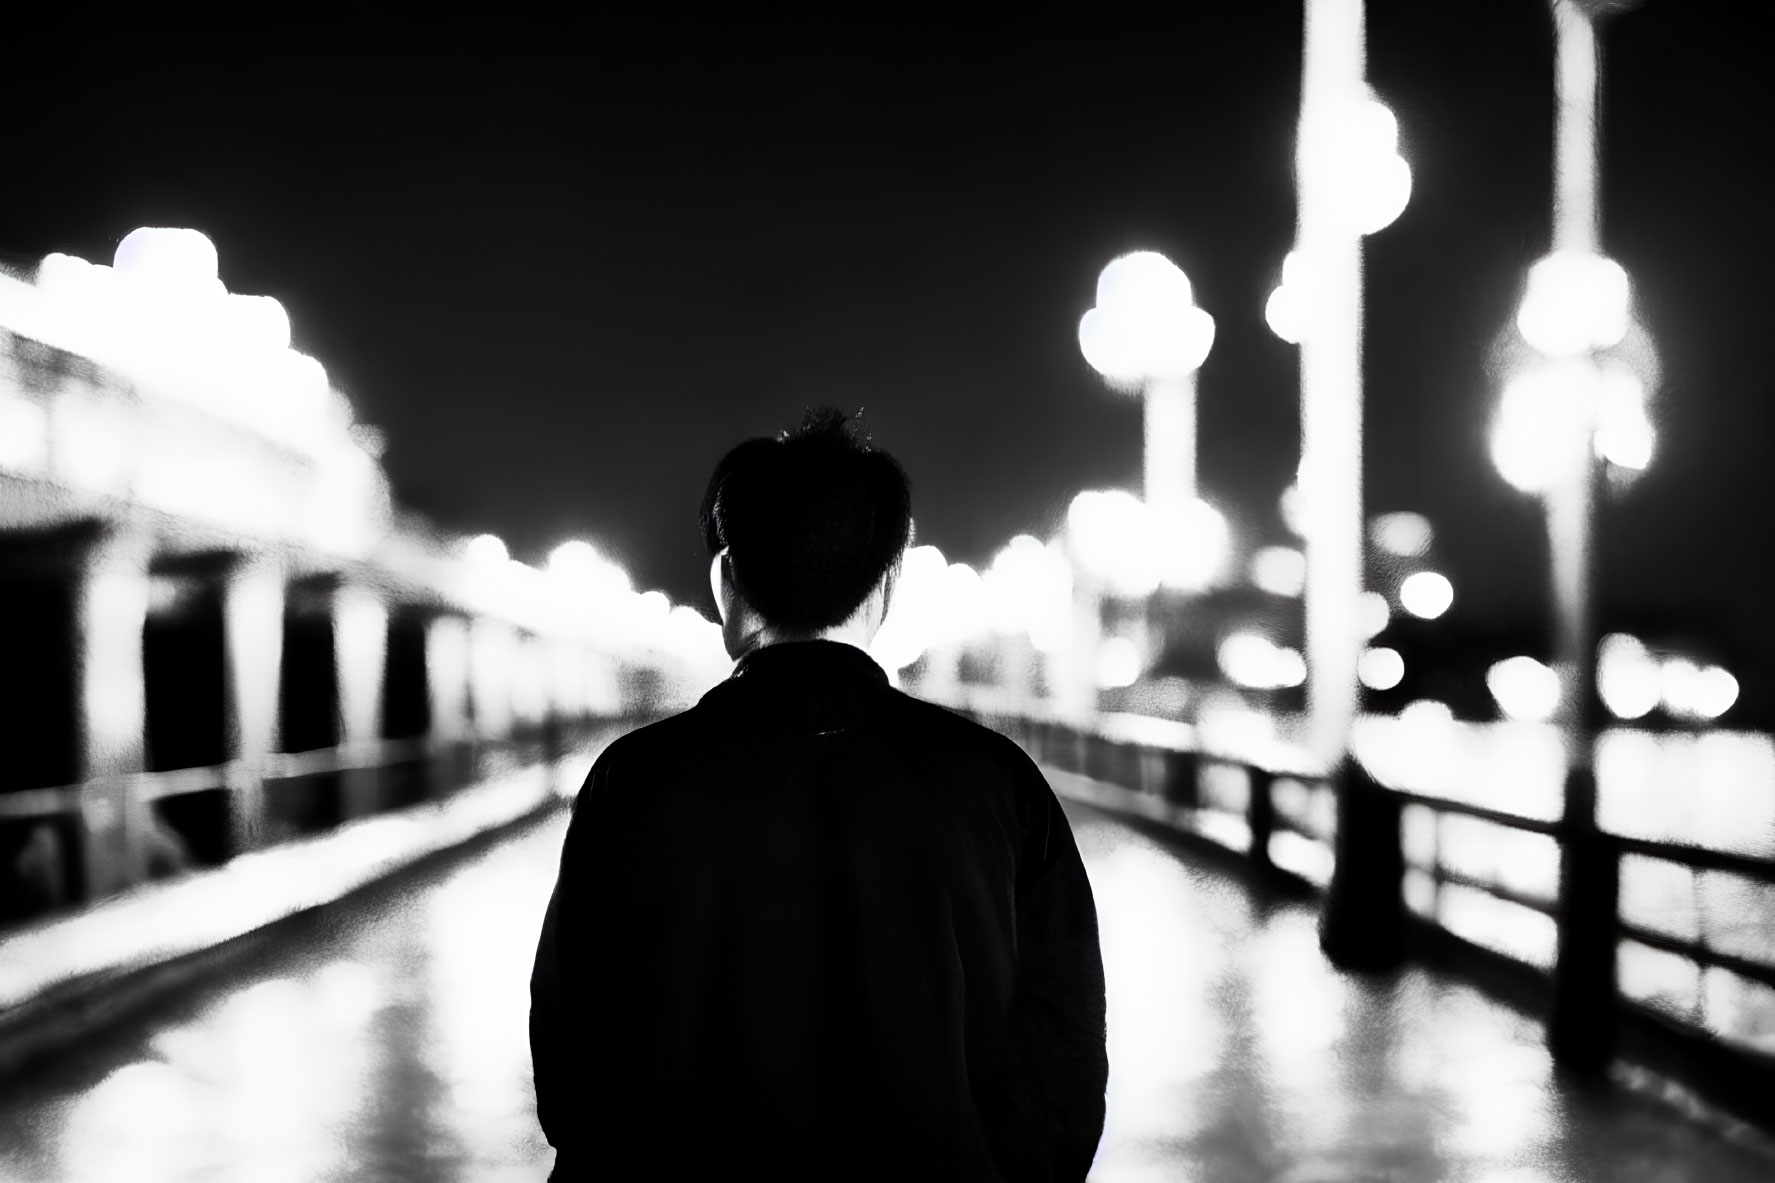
x: 814, y: 928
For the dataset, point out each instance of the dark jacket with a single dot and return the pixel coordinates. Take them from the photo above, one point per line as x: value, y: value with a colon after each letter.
x: 814, y: 928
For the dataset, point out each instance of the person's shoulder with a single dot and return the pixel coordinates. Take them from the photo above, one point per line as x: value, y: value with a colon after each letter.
x: 955, y: 731
x: 651, y: 740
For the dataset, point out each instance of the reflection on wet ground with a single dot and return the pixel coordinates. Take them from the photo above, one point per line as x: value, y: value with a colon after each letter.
x: 387, y: 1042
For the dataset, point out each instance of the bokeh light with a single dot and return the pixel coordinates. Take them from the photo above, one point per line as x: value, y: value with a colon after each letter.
x: 1380, y: 668
x: 1426, y: 594
x: 1524, y: 689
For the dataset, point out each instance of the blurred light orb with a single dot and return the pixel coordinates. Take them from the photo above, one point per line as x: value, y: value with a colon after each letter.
x: 1575, y: 303
x: 1380, y: 668
x: 1714, y: 693
x: 1426, y: 594
x: 1145, y: 324
x: 1133, y: 548
x: 1407, y: 535
x: 579, y: 565
x: 1624, y: 435
x: 1293, y: 513
x: 1627, y: 676
x: 1524, y: 689
x: 1028, y: 589
x: 258, y: 323
x: 1285, y: 308
x: 170, y: 258
x: 1426, y: 714
x: 488, y: 549
x: 1109, y: 532
x: 1542, y: 412
x: 905, y: 632
x: 1373, y: 614
x: 1118, y: 663
x: 1192, y: 542
x: 1279, y: 570
x: 1692, y: 690
x: 1361, y: 145
x: 1257, y: 663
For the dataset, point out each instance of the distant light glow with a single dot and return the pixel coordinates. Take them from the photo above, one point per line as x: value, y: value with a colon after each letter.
x: 1284, y: 310
x: 1256, y: 662
x: 1293, y: 514
x: 1359, y: 146
x: 1380, y: 668
x: 1373, y: 613
x: 1575, y: 303
x: 1145, y: 324
x: 1118, y: 663
x: 1279, y: 570
x: 24, y: 436
x: 1542, y: 411
x: 1692, y: 690
x: 1426, y: 594
x: 1627, y: 676
x: 1624, y: 434
x: 1108, y: 530
x: 170, y: 257
x: 1134, y: 548
x: 584, y: 571
x: 486, y: 548
x: 1524, y: 689
x: 1407, y: 535
x: 1028, y: 589
x: 912, y: 617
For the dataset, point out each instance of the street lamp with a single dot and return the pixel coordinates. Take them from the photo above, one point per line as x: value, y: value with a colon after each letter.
x: 1576, y: 406
x: 1146, y: 335
x: 1351, y: 182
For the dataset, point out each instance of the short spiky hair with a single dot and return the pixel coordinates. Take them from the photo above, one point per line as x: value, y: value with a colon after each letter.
x: 811, y: 520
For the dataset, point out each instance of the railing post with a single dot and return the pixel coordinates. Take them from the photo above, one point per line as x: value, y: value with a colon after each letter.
x: 360, y: 656
x: 252, y: 654
x: 1181, y: 784
x: 1260, y: 815
x: 447, y: 684
x: 1582, y: 1027
x: 108, y: 581
x: 1362, y: 926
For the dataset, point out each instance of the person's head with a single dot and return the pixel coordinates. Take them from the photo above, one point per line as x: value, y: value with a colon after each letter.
x: 806, y: 532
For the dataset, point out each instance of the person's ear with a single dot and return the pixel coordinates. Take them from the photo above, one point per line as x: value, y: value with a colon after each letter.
x: 721, y: 583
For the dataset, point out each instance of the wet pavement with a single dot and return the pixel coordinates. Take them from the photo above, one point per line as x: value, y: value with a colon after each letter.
x: 387, y: 1042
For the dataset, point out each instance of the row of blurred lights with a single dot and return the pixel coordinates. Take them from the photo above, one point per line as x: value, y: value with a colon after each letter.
x: 1631, y: 680
x: 579, y: 589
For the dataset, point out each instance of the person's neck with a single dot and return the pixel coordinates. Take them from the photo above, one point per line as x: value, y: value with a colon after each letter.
x: 759, y: 635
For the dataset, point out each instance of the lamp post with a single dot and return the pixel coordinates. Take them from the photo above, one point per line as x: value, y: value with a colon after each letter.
x: 1146, y: 335
x: 1351, y: 181
x: 1576, y: 405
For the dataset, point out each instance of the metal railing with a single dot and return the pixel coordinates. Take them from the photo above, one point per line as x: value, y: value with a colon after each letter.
x: 263, y: 800
x: 1268, y: 805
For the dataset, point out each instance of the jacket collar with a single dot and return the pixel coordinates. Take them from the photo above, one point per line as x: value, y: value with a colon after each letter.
x: 807, y: 662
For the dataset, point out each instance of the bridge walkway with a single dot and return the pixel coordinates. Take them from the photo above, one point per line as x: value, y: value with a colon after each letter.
x: 384, y: 1039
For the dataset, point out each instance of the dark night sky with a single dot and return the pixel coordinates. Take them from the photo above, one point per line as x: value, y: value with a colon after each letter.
x: 565, y: 267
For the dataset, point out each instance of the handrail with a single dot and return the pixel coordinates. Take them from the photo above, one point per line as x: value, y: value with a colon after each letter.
x: 1698, y: 951
x: 56, y: 800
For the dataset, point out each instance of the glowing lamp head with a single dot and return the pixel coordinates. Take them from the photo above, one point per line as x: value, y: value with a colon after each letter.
x: 487, y: 549
x: 170, y: 258
x: 1426, y: 594
x: 1146, y: 324
x: 1575, y: 302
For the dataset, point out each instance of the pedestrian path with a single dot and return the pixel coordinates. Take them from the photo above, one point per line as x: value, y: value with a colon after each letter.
x: 385, y: 1040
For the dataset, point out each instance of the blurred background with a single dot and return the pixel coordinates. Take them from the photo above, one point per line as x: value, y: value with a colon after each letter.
x: 1338, y: 436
